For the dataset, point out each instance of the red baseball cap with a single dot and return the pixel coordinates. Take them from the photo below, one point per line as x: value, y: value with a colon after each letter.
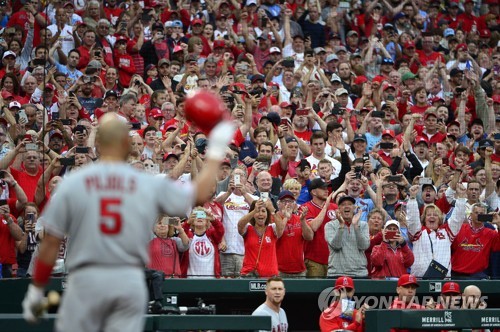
x: 407, y: 279
x: 49, y: 86
x: 360, y: 80
x: 421, y: 139
x: 219, y: 44
x: 436, y: 99
x: 453, y: 123
x: 285, y: 104
x: 155, y: 113
x: 388, y: 132
x: 462, y: 47
x: 389, y: 86
x: 451, y: 288
x: 196, y: 21
x: 6, y: 94
x: 344, y: 282
x: 485, y: 33
x: 430, y: 114
x: 379, y: 79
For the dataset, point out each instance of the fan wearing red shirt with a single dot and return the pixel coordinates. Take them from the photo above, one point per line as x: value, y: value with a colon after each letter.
x: 407, y: 289
x: 10, y: 232
x: 20, y: 18
x: 290, y: 246
x: 473, y: 245
x: 335, y: 317
x: 260, y: 237
x: 124, y: 62
x: 427, y: 55
x: 467, y: 21
x: 319, y: 212
x: 421, y: 102
x: 430, y: 129
x: 88, y: 42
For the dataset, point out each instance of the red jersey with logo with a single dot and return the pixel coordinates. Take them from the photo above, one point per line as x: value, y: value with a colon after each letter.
x: 7, y: 242
x: 164, y: 256
x: 260, y: 252
x: 317, y: 249
x: 126, y: 68
x: 331, y: 319
x: 472, y: 247
x: 290, y: 247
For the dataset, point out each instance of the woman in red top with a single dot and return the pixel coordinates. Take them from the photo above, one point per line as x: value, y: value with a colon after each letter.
x: 392, y: 257
x: 260, y: 238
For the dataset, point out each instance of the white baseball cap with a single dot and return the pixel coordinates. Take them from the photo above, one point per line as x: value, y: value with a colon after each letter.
x: 392, y: 222
x: 274, y: 49
x: 9, y: 53
x: 14, y: 104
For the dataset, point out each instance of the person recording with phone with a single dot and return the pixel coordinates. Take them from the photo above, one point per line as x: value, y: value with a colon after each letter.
x: 164, y: 249
x: 10, y: 232
x: 205, y: 233
x: 393, y: 257
x: 27, y: 245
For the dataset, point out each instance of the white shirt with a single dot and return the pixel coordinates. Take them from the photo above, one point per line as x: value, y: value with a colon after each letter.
x: 279, y: 320
x: 336, y: 166
x: 66, y: 37
x: 201, y: 257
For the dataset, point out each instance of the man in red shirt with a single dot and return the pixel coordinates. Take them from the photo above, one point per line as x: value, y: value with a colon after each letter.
x: 450, y: 296
x: 473, y: 245
x: 21, y: 19
x: 320, y: 211
x: 427, y: 56
x: 87, y: 44
x: 467, y: 21
x: 407, y: 289
x: 336, y: 317
x: 430, y: 130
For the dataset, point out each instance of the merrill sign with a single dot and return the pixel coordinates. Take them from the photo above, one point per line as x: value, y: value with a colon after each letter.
x: 445, y: 321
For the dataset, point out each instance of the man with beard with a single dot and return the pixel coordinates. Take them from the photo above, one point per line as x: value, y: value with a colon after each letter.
x: 345, y: 74
x: 301, y: 127
x: 72, y: 74
x: 354, y: 187
x: 294, y: 43
x: 348, y: 238
x: 456, y: 78
x: 320, y: 211
x: 318, y: 145
x: 432, y: 129
x: 155, y: 49
x: 275, y: 292
x: 374, y: 133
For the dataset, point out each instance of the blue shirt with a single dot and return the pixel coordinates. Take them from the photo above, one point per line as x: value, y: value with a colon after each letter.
x: 371, y: 141
x: 71, y: 75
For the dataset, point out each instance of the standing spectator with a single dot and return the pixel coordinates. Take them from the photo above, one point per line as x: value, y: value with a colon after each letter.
x: 63, y: 31
x: 348, y: 238
x: 275, y: 292
x: 320, y: 211
x: 290, y: 246
x: 260, y: 236
x: 124, y: 62
x: 432, y: 238
x: 10, y: 232
x: 27, y: 245
x: 392, y: 258
x: 205, y: 233
x: 236, y: 203
x: 164, y: 249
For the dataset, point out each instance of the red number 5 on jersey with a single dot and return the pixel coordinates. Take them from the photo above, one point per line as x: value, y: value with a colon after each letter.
x: 111, y: 219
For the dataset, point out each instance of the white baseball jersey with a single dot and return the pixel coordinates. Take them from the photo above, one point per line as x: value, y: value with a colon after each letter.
x: 108, y: 211
x: 201, y: 257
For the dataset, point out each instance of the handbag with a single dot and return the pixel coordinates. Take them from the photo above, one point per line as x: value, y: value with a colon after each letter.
x: 436, y: 270
x: 254, y: 272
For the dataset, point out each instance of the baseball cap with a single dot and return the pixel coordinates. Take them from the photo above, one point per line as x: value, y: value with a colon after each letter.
x: 157, y: 26
x: 94, y: 64
x: 462, y: 47
x: 14, y: 104
x: 177, y: 24
x: 317, y: 183
x: 428, y: 114
x: 485, y: 143
x: 429, y: 185
x: 196, y: 21
x: 451, y: 288
x: 341, y: 49
x: 335, y: 78
x: 303, y: 163
x: 257, y: 77
x: 351, y: 33
x: 274, y: 49
x: 69, y: 3
x: 168, y: 155
x: 388, y: 132
x: 285, y: 104
x: 391, y: 222
x: 389, y: 86
x: 163, y: 61
x: 360, y: 80
x: 49, y: 86
x: 435, y: 99
x: 344, y: 282
x: 219, y: 44
x: 485, y: 33
x: 111, y: 93
x: 273, y: 117
x: 54, y: 133
x: 407, y: 279
x: 341, y: 91
x: 318, y: 50
x: 448, y: 32
x: 399, y: 15
x: 420, y: 139
x: 6, y: 54
x: 291, y: 139
x: 331, y: 57
x: 285, y: 194
x: 359, y: 137
x: 6, y: 94
x: 388, y: 26
x: 453, y: 4
x: 408, y: 76
x: 409, y: 44
x: 155, y: 113
x: 346, y: 198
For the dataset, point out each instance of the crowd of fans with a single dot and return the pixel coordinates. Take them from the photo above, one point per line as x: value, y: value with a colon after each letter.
x: 367, y: 141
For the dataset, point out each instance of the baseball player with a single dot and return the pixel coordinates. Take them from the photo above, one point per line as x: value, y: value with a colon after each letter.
x: 107, y: 211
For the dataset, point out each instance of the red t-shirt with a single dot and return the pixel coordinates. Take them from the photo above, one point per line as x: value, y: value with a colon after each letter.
x: 26, y: 181
x: 126, y: 68
x: 21, y: 18
x: 304, y: 135
x: 317, y: 249
x: 290, y: 247
x: 84, y: 57
x: 164, y: 256
x: 471, y: 249
x: 429, y: 60
x: 331, y: 320
x: 267, y: 264
x: 7, y: 243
